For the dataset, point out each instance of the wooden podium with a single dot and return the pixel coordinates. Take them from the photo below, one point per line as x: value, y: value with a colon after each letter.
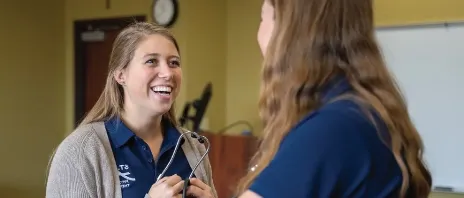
x: 229, y: 156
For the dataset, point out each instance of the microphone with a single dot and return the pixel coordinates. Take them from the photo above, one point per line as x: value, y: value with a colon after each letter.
x: 240, y: 122
x: 185, y: 114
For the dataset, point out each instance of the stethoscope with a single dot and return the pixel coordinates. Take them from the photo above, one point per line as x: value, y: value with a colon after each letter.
x: 180, y: 141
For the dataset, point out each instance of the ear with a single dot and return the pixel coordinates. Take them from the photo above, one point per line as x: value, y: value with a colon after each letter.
x: 120, y: 76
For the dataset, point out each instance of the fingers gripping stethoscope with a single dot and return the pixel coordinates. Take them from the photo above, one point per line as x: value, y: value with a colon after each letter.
x: 180, y: 141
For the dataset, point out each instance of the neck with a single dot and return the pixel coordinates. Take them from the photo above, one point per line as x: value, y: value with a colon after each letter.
x: 146, y: 127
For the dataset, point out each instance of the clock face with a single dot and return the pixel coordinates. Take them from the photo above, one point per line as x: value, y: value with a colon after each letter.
x: 164, y: 12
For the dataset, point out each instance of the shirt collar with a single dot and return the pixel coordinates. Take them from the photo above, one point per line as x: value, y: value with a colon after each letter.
x: 337, y: 86
x: 120, y: 134
x: 171, y: 134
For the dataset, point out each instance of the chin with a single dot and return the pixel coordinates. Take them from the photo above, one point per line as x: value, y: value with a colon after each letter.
x: 263, y: 51
x: 160, y: 109
x: 159, y: 101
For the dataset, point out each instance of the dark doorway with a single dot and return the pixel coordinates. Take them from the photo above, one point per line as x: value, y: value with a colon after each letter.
x: 93, y: 40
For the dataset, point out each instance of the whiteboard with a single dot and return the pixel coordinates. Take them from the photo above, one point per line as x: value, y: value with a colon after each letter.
x: 428, y: 64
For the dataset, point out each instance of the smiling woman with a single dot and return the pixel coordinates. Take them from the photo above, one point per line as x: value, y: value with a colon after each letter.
x: 152, y: 78
x: 128, y: 137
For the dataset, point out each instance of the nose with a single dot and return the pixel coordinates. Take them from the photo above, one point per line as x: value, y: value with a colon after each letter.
x: 165, y: 71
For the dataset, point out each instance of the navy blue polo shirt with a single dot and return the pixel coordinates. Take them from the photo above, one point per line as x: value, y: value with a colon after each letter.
x: 334, y: 151
x: 138, y: 168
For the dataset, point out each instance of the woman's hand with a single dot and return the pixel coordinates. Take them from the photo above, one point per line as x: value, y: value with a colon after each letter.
x: 167, y: 187
x: 199, y: 189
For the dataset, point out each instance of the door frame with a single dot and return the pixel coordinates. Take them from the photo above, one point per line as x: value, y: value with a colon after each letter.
x: 81, y: 26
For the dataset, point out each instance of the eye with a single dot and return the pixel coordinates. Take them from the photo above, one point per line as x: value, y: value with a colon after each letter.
x: 152, y: 61
x: 174, y: 63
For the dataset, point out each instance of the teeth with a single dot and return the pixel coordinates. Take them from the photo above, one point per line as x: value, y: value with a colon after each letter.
x: 162, y: 88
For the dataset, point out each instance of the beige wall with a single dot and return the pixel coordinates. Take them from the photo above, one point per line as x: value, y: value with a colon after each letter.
x: 218, y: 43
x: 31, y: 90
x: 243, y: 62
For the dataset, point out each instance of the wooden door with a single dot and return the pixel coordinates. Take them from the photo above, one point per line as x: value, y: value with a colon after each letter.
x: 91, y: 57
x: 97, y: 55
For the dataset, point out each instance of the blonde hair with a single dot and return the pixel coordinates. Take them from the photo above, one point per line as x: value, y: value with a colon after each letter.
x: 110, y: 103
x: 312, y: 42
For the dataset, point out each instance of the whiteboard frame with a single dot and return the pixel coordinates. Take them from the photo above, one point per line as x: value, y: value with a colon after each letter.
x: 420, y: 25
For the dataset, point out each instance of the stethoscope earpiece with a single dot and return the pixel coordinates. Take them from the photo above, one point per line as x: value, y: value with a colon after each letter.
x: 201, y: 139
x: 194, y: 135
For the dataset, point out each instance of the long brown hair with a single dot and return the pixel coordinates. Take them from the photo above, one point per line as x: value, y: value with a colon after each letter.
x: 110, y: 103
x: 312, y: 42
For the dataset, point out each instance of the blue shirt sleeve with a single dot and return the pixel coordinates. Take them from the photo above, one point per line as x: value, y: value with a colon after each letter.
x: 323, y: 156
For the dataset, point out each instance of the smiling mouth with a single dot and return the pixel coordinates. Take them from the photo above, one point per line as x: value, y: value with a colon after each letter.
x: 162, y: 90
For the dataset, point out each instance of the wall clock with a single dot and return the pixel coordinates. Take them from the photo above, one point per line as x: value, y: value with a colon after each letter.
x: 165, y: 12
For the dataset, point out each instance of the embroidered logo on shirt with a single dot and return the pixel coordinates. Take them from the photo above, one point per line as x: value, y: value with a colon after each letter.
x: 125, y: 176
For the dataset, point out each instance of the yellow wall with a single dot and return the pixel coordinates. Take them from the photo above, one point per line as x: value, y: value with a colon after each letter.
x: 243, y: 62
x: 402, y: 12
x: 32, y: 92
x: 204, y: 34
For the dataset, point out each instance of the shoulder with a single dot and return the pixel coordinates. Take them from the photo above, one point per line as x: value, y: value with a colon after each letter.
x: 338, y: 132
x: 78, y: 161
x: 341, y: 121
x: 78, y: 143
x: 332, y: 132
x: 197, y: 146
x: 329, y: 147
x: 341, y: 114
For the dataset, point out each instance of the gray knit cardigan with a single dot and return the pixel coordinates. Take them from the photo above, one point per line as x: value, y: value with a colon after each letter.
x: 83, y: 165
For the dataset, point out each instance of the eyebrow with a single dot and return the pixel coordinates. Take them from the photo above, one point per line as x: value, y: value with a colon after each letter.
x: 157, y: 55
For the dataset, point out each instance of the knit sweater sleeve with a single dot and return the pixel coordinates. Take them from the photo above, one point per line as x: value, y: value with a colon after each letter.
x: 208, y: 170
x: 65, y: 178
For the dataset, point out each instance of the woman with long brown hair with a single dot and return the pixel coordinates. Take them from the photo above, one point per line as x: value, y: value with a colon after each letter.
x: 335, y: 122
